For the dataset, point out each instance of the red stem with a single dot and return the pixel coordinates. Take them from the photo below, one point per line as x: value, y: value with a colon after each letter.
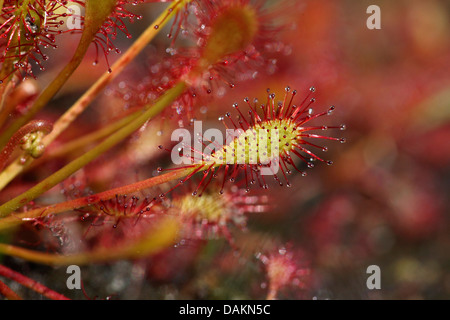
x: 8, y: 293
x: 31, y: 284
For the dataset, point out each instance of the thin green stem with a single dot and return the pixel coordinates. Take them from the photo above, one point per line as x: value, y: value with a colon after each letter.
x: 92, y: 154
x: 83, y: 102
x: 92, y: 137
